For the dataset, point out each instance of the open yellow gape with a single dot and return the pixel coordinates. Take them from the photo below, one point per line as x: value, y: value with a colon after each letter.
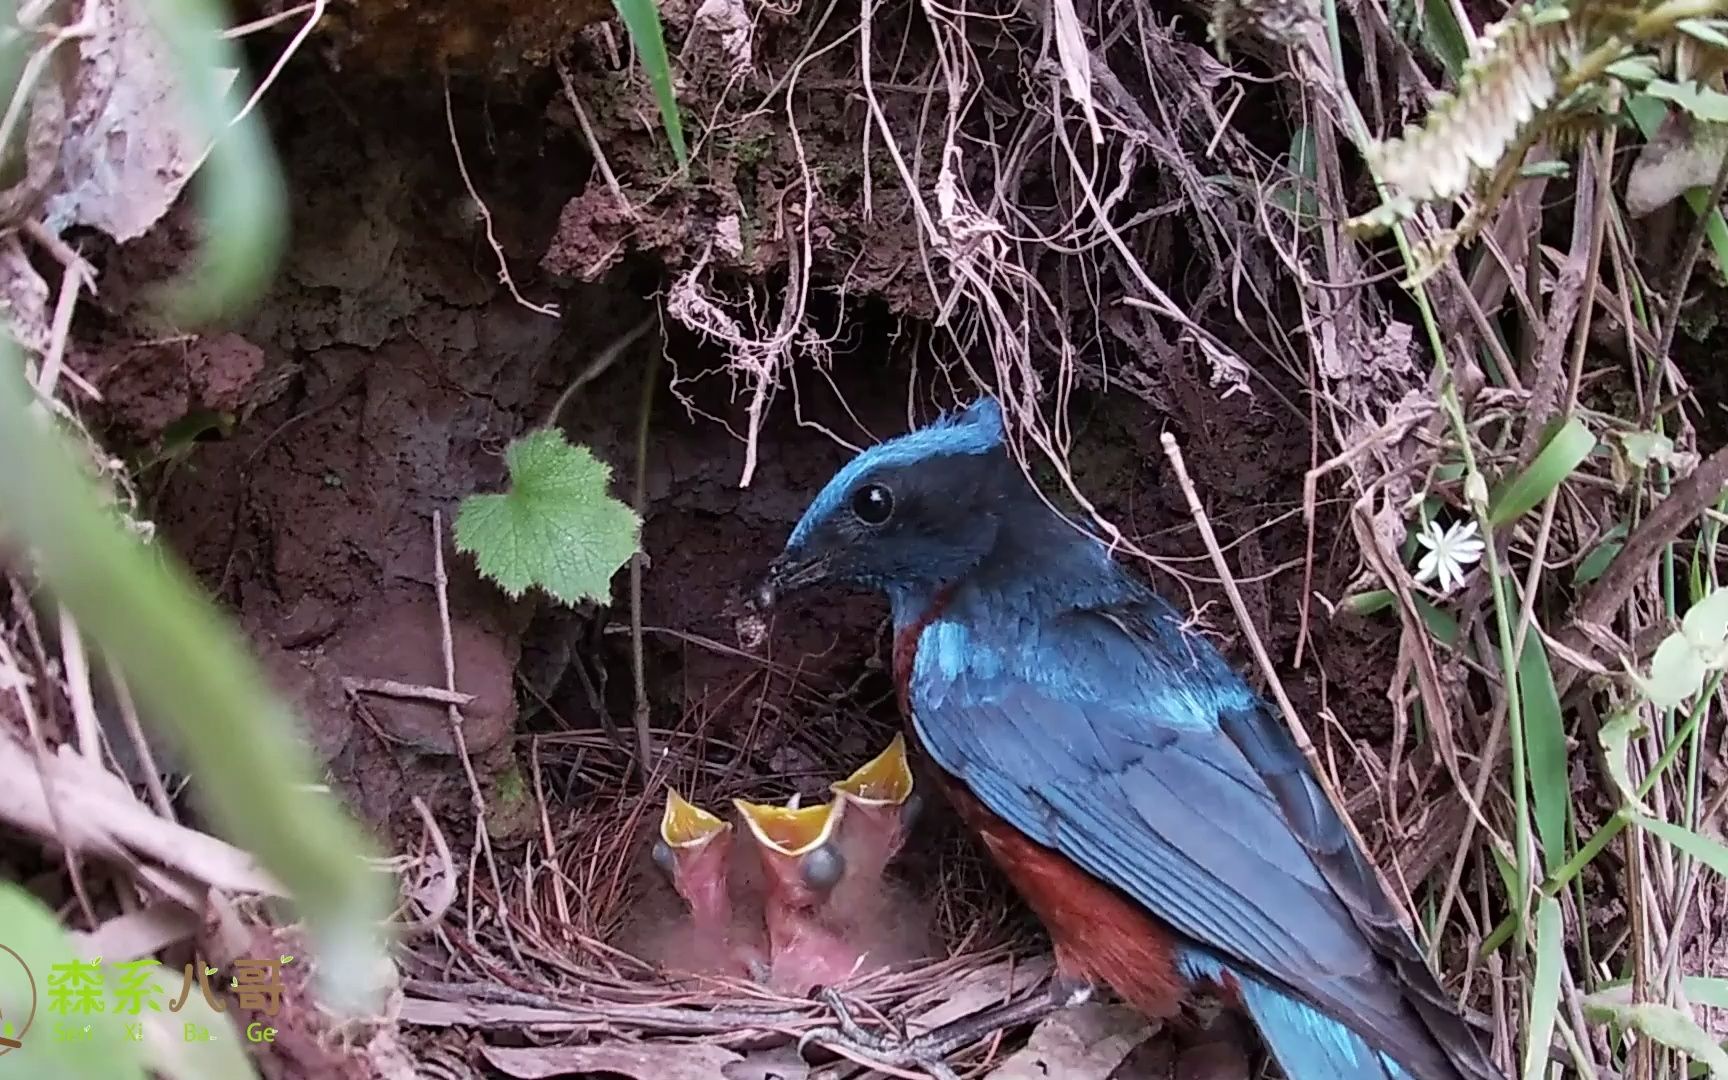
x: 884, y: 780
x: 791, y: 830
x: 685, y: 825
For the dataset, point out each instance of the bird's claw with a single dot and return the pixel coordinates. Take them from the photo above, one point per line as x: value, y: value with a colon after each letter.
x: 899, y: 1051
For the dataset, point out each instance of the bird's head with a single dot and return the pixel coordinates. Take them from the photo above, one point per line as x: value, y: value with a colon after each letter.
x: 692, y: 849
x: 917, y: 511
x: 797, y: 845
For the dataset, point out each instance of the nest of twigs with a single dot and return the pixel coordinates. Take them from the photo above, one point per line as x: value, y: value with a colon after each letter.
x: 561, y: 954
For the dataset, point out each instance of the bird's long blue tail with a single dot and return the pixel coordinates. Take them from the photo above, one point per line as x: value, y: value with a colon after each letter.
x: 1307, y: 1044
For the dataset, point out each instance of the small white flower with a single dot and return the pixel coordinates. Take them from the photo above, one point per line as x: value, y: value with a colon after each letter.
x: 1450, y: 552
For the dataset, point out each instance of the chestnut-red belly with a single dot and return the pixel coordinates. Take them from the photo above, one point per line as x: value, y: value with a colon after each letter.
x: 1100, y: 935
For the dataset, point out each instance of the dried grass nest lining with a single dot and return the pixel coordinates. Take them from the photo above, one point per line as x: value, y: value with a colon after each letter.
x: 571, y: 927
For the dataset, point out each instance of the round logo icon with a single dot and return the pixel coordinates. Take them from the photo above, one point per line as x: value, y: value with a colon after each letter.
x: 17, y: 987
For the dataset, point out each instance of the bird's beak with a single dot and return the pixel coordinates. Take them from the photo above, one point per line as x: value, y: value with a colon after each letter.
x: 790, y: 830
x: 884, y: 780
x: 685, y: 826
x: 788, y: 573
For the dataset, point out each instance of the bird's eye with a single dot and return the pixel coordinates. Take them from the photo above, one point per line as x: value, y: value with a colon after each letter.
x: 823, y: 868
x: 873, y: 504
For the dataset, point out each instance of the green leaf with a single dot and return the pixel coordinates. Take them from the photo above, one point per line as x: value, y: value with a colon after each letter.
x: 1552, y: 169
x: 201, y: 686
x: 642, y: 20
x: 1366, y: 603
x: 1647, y: 112
x: 1676, y: 673
x: 169, y: 1052
x: 1707, y: 851
x: 1706, y: 622
x: 1616, y: 737
x: 1700, y: 101
x: 1545, y: 749
x: 1637, y: 70
x: 1678, y: 668
x: 1663, y: 1023
x: 240, y: 190
x: 1304, y: 154
x: 557, y: 528
x: 1440, y: 623
x: 1444, y: 37
x: 1565, y: 451
x: 1643, y: 447
x: 1715, y: 227
x: 1595, y: 564
x: 1708, y: 31
x: 1700, y: 990
x: 1707, y: 990
x: 1545, y: 993
x: 1295, y: 194
x: 37, y: 938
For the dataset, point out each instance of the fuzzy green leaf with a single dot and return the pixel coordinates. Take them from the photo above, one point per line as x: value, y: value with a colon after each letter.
x: 1643, y: 447
x: 1676, y: 673
x: 1700, y: 101
x: 240, y: 191
x: 556, y: 528
x: 1705, y: 623
x: 1663, y: 1023
x: 200, y: 685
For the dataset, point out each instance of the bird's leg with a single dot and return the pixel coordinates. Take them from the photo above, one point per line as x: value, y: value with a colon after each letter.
x: 929, y: 1050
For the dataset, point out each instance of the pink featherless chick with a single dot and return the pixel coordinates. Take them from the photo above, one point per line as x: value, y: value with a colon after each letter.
x: 695, y: 850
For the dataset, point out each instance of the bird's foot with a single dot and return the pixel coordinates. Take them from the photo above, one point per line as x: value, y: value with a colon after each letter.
x: 928, y: 1052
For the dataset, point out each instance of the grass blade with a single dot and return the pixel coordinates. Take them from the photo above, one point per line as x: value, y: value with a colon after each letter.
x: 1707, y: 851
x: 240, y: 187
x: 36, y: 940
x: 1545, y: 991
x: 1565, y: 451
x: 199, y: 685
x: 1444, y: 37
x: 642, y: 19
x: 1545, y: 750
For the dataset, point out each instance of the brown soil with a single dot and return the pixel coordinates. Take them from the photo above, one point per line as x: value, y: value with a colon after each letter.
x: 387, y: 370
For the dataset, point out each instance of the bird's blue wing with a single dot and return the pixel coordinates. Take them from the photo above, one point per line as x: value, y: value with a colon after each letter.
x: 1129, y: 747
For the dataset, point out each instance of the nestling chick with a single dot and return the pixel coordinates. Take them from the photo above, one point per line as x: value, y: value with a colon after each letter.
x: 803, y: 864
x: 880, y: 807
x: 874, y: 911
x: 718, y: 936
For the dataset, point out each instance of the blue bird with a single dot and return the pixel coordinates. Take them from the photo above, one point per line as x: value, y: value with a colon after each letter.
x: 1156, y: 817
